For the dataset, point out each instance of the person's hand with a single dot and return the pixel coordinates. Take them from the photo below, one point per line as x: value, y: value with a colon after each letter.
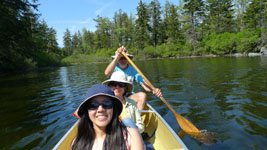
x: 119, y: 51
x: 157, y: 92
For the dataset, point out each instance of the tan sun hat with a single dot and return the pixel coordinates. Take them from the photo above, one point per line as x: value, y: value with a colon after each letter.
x: 119, y: 76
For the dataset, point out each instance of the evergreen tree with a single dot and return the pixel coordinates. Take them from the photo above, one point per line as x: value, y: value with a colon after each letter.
x: 67, y: 42
x: 173, y: 26
x: 52, y: 45
x: 256, y: 16
x: 195, y: 10
x: 155, y: 22
x: 220, y: 16
x: 241, y: 6
x: 16, y: 38
x: 120, y: 28
x: 88, y: 43
x: 103, y: 32
x: 130, y: 34
x: 142, y: 25
x: 75, y: 41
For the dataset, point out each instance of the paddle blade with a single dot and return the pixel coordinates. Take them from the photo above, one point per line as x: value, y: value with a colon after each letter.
x: 205, y: 137
x: 186, y: 125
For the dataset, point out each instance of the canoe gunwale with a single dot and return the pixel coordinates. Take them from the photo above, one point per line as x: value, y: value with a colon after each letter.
x: 168, y: 126
x: 66, y: 135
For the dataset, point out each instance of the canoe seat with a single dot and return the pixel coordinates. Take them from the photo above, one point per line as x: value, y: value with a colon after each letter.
x: 145, y: 111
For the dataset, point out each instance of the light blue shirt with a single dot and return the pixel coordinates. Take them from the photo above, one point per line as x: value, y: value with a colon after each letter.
x: 131, y: 74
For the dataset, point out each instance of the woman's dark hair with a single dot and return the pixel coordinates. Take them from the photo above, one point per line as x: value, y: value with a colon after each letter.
x: 126, y: 91
x: 114, y: 133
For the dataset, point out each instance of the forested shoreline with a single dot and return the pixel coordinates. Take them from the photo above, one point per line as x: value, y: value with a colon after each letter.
x: 193, y: 28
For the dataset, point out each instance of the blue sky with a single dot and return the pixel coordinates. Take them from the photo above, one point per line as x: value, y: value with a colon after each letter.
x: 78, y: 14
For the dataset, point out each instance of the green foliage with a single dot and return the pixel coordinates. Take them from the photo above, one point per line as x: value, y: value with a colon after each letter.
x: 44, y: 59
x: 151, y: 52
x: 155, y: 22
x: 256, y: 14
x: 247, y: 41
x: 16, y: 63
x: 84, y: 59
x: 220, y: 16
x: 228, y: 43
x: 23, y: 36
x: 103, y: 32
x: 192, y: 28
x: 221, y: 43
x: 105, y: 52
x: 142, y: 25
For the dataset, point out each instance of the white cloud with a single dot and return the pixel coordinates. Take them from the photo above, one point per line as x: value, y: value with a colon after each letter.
x: 105, y: 6
x: 87, y: 21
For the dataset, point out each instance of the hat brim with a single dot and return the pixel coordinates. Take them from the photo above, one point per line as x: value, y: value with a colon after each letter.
x: 83, y: 105
x: 129, y: 84
x: 129, y: 55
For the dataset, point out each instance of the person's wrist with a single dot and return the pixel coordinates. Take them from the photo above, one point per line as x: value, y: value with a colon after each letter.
x: 117, y: 58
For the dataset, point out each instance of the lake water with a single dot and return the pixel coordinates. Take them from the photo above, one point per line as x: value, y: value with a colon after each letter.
x: 224, y: 95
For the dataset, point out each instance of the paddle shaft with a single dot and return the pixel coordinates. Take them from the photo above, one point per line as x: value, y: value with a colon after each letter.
x: 148, y: 82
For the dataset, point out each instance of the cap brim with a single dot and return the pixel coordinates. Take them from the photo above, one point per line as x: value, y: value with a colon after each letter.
x: 130, y: 56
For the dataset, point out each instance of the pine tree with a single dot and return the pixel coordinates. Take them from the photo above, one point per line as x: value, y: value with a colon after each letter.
x: 256, y: 16
x: 103, y: 32
x: 173, y: 26
x: 155, y: 22
x: 241, y: 6
x: 120, y: 22
x: 195, y: 10
x: 67, y: 42
x: 142, y: 25
x: 129, y: 35
x: 88, y: 42
x: 220, y: 16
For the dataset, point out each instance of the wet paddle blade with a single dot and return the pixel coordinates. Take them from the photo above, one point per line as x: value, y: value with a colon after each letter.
x: 186, y: 125
x: 206, y: 137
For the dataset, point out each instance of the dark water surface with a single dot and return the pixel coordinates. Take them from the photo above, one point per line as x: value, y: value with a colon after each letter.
x: 227, y: 96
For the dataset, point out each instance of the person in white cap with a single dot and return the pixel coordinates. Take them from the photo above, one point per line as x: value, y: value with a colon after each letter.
x: 130, y: 115
x: 120, y: 63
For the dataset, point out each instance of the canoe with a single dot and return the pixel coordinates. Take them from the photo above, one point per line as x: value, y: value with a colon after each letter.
x: 158, y: 133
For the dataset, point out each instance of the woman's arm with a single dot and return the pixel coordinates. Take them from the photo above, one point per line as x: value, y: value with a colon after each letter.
x: 135, y: 139
x: 110, y: 68
x: 156, y: 92
x: 118, y: 54
x: 139, y: 121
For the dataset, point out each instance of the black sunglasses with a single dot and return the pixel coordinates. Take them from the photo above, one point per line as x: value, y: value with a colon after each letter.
x: 117, y: 83
x: 107, y: 104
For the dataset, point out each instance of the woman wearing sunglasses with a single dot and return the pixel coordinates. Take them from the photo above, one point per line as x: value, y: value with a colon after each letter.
x: 99, y: 126
x: 130, y: 115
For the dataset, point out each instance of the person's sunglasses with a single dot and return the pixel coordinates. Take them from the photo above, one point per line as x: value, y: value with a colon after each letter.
x: 117, y: 83
x: 107, y: 104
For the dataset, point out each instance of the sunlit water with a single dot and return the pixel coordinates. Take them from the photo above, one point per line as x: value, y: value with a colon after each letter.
x: 225, y: 96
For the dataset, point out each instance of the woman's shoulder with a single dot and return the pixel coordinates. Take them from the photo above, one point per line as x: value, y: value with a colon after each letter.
x: 130, y: 102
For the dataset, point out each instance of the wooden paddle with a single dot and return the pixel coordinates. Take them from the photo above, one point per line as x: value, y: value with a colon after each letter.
x: 185, y: 124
